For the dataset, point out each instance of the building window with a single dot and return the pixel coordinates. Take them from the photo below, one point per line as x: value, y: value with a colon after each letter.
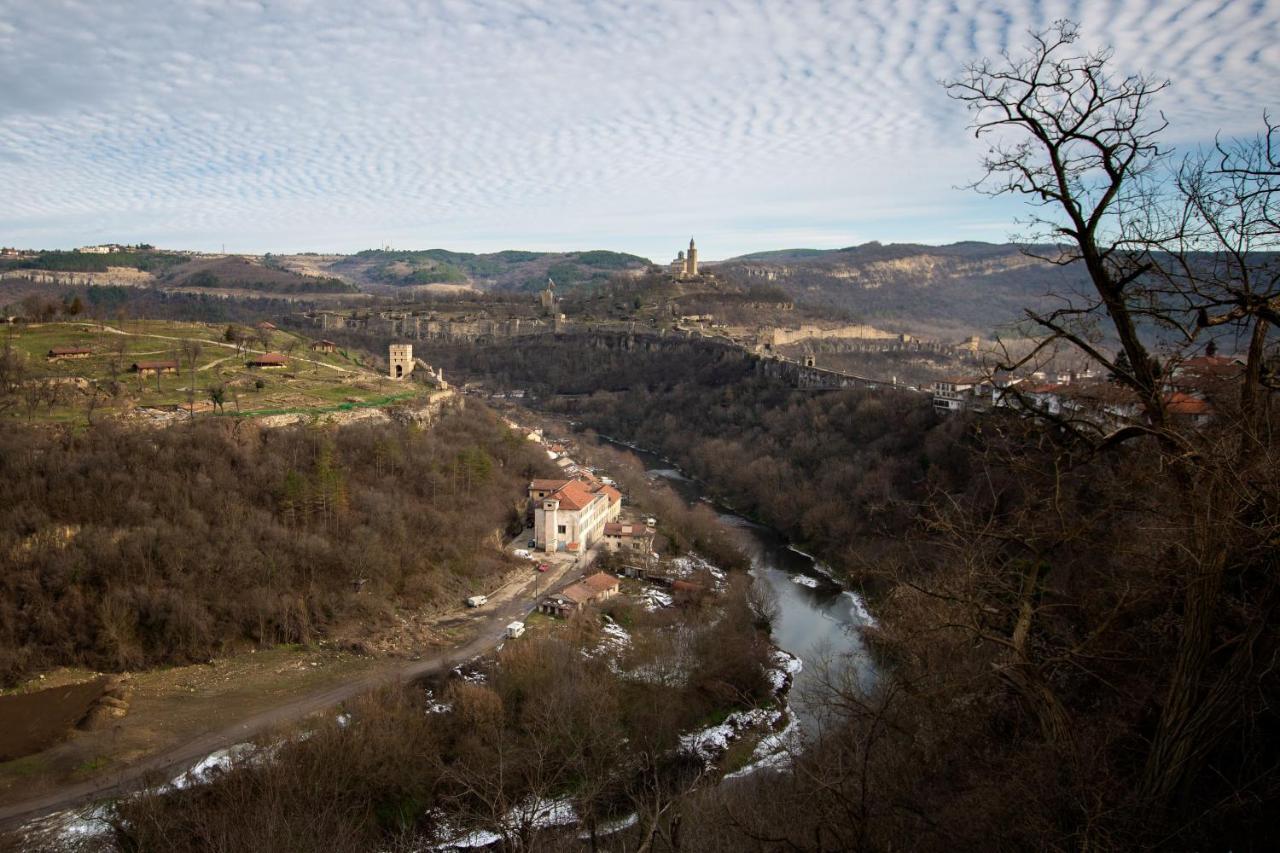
x: 560, y: 528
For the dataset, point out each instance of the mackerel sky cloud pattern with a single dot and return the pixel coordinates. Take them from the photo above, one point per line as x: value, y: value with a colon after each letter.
x: 622, y: 124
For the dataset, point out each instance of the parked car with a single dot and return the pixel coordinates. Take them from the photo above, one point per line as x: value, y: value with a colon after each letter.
x: 522, y: 554
x: 477, y: 601
x: 515, y: 629
x: 542, y: 567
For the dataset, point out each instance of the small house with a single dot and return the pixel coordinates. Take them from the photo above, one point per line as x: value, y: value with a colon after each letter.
x: 324, y: 346
x: 566, y: 602
x: 628, y: 537
x: 59, y: 353
x: 150, y: 368
x: 603, y: 586
x: 268, y: 360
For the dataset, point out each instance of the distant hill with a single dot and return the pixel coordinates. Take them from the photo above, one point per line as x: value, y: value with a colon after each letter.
x: 963, y: 287
x: 238, y: 273
x: 508, y: 270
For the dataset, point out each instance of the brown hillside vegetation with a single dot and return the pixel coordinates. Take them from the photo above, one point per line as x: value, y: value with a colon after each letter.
x: 130, y: 548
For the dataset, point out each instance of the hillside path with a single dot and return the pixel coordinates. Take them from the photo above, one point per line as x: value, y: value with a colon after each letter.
x: 511, y: 602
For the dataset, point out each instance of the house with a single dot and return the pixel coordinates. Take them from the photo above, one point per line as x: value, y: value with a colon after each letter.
x: 628, y: 537
x: 566, y: 602
x: 148, y: 368
x: 570, y: 515
x: 268, y: 360
x: 603, y: 585
x: 324, y: 346
x: 570, y: 600
x: 267, y: 327
x: 954, y: 394
x: 59, y: 353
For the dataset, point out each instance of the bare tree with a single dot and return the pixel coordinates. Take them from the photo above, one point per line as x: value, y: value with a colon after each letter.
x: 1163, y: 250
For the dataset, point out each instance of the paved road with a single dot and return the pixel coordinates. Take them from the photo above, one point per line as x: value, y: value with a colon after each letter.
x: 490, y: 624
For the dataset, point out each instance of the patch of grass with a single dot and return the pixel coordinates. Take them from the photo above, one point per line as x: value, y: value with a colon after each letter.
x: 93, y: 765
x: 27, y: 765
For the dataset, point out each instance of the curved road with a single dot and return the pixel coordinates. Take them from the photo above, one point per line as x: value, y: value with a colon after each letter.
x: 490, y: 622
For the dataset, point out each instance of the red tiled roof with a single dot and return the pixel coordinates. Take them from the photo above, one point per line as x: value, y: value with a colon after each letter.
x: 1179, y: 403
x: 546, y: 485
x: 155, y: 365
x: 579, y: 593
x: 70, y: 351
x: 601, y: 582
x: 269, y: 358
x: 609, y: 491
x: 573, y: 495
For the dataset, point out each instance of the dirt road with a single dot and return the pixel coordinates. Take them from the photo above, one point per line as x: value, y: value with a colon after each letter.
x: 511, y: 603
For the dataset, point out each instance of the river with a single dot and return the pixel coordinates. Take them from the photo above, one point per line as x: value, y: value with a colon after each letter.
x: 818, y: 620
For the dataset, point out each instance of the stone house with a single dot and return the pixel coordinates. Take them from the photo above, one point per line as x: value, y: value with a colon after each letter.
x: 628, y: 537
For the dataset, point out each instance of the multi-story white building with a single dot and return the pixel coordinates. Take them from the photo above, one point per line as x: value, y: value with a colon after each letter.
x: 570, y: 515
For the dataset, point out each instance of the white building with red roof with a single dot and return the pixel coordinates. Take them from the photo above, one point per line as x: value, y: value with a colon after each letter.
x: 570, y: 515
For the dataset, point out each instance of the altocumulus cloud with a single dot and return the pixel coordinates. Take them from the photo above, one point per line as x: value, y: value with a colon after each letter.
x: 546, y: 123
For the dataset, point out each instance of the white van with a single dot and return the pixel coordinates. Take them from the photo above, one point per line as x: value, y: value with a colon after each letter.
x: 515, y: 629
x: 477, y: 601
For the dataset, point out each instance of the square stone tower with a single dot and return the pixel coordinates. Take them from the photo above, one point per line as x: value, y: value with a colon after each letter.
x: 400, y: 361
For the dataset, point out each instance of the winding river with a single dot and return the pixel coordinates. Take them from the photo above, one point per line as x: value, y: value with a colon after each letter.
x: 818, y: 620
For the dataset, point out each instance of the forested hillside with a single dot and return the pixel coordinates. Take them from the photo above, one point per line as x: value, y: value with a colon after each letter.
x: 127, y: 548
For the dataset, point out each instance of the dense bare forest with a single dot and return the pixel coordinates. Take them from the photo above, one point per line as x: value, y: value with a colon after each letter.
x: 127, y: 548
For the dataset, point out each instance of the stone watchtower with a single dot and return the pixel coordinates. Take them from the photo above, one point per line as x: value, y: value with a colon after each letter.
x: 691, y: 260
x: 400, y: 361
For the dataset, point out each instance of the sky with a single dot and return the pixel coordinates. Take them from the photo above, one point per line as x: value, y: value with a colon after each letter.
x: 481, y: 125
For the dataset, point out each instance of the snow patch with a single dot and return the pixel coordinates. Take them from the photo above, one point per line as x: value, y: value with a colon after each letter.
x: 654, y: 599
x: 860, y: 609
x: 805, y: 580
x: 710, y: 743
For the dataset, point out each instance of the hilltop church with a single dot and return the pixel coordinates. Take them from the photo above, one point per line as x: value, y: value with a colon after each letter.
x: 686, y: 266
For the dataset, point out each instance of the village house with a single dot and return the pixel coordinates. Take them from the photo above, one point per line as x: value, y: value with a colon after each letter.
x: 598, y: 587
x: 150, y: 368
x: 954, y: 394
x: 324, y: 346
x: 268, y: 360
x: 59, y: 353
x: 628, y: 537
x: 570, y: 515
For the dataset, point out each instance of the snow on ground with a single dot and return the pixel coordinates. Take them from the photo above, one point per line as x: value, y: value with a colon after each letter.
x: 774, y: 751
x: 208, y: 768
x: 538, y: 813
x: 805, y: 580
x: 471, y: 676
x: 785, y: 666
x: 612, y: 826
x: 710, y: 743
x: 613, y: 636
x: 654, y: 598
x: 435, y: 706
x: 860, y: 609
